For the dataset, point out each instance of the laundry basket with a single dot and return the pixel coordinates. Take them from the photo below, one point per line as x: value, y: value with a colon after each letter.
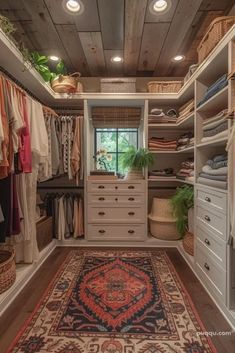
x: 161, y: 220
x: 216, y: 31
x: 7, y: 267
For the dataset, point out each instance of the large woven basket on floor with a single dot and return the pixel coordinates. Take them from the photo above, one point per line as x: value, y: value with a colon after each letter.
x: 216, y: 31
x: 7, y: 267
x: 164, y: 86
x: 188, y: 243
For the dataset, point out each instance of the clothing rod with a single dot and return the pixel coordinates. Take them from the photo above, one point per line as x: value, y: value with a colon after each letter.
x: 14, y: 80
x: 60, y: 187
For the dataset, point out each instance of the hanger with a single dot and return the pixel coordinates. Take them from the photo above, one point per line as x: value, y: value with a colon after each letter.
x: 49, y: 110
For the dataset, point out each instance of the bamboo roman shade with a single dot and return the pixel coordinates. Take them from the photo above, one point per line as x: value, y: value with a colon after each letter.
x: 116, y: 117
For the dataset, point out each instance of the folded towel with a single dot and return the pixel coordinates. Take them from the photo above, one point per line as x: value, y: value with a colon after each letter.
x: 215, y: 118
x: 213, y: 183
x: 220, y: 171
x: 215, y: 137
x: 214, y: 177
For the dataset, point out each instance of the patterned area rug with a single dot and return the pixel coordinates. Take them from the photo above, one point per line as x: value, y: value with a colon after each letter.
x: 114, y: 302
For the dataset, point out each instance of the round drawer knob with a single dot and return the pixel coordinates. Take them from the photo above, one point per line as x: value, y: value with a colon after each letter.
x: 207, y: 218
x: 116, y: 187
x: 101, y: 213
x: 207, y: 267
x: 131, y: 199
x: 207, y: 199
x: 131, y: 213
x: 131, y: 231
x: 116, y: 199
x: 207, y: 242
x: 101, y: 231
x: 101, y: 198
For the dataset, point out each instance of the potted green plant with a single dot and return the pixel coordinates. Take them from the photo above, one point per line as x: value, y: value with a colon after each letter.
x: 135, y: 160
x: 182, y: 203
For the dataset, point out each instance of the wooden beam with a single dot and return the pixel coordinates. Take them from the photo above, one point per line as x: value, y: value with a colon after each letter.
x: 88, y: 20
x: 112, y: 23
x: 72, y: 44
x: 134, y: 23
x: 152, y: 42
x: 182, y: 20
x: 94, y: 53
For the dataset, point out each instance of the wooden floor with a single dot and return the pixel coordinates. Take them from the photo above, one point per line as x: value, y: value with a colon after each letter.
x: 22, y: 307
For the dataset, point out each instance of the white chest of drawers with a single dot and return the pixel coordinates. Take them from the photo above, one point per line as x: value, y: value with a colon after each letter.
x: 116, y: 210
x: 211, y: 233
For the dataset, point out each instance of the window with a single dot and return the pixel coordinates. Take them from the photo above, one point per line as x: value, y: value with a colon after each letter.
x: 115, y: 142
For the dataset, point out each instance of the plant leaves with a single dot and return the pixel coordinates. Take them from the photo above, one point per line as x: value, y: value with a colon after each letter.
x: 60, y: 68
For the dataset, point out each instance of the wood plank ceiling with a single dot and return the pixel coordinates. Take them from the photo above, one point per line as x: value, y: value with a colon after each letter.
x: 86, y: 42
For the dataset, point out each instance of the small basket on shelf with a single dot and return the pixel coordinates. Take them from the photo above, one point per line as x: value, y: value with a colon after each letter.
x: 67, y: 83
x: 7, y: 267
x: 164, y: 86
x: 216, y: 31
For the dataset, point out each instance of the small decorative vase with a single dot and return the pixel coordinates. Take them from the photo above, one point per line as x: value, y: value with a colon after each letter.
x: 134, y: 174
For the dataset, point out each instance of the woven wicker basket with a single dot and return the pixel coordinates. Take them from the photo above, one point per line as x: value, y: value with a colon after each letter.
x: 188, y: 243
x: 66, y: 84
x: 214, y: 34
x: 7, y: 267
x: 164, y: 86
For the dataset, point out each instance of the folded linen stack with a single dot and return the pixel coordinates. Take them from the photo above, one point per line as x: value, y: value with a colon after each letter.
x: 157, y: 116
x: 162, y: 173
x: 215, y: 127
x: 187, y: 170
x: 215, y: 172
x: 215, y: 88
x: 184, y: 141
x: 161, y: 144
x: 185, y: 111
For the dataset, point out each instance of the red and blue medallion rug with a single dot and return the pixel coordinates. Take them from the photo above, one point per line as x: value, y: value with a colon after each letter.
x: 108, y: 301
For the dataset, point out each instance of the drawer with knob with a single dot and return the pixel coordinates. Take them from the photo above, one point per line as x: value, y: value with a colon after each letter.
x: 215, y: 246
x: 214, y: 200
x: 117, y: 232
x: 116, y: 187
x: 112, y: 214
x: 212, y: 274
x: 116, y: 200
x: 214, y: 221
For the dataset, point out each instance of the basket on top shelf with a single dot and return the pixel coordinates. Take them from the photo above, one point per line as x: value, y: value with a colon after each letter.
x: 67, y: 83
x: 164, y: 86
x: 118, y: 85
x: 216, y: 31
x: 7, y: 267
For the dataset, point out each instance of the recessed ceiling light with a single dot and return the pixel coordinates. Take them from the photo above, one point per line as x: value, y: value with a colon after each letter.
x: 54, y: 58
x: 160, y: 6
x: 178, y: 58
x: 116, y: 59
x: 73, y: 7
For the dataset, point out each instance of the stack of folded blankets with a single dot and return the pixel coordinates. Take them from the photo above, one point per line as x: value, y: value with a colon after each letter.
x: 215, y: 172
x: 185, y: 141
x: 215, y: 127
x: 185, y: 111
x: 161, y: 144
x: 187, y: 170
x: 158, y: 174
x: 157, y: 116
x: 215, y: 88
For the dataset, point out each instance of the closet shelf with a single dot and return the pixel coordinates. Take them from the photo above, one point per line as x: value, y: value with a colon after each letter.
x: 212, y: 188
x: 186, y: 150
x: 167, y: 179
x: 218, y: 102
x: 218, y: 142
x: 182, y: 125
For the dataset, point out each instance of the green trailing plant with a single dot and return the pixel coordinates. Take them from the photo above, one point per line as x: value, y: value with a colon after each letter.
x: 181, y: 202
x: 7, y: 26
x: 136, y: 158
x: 40, y: 63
